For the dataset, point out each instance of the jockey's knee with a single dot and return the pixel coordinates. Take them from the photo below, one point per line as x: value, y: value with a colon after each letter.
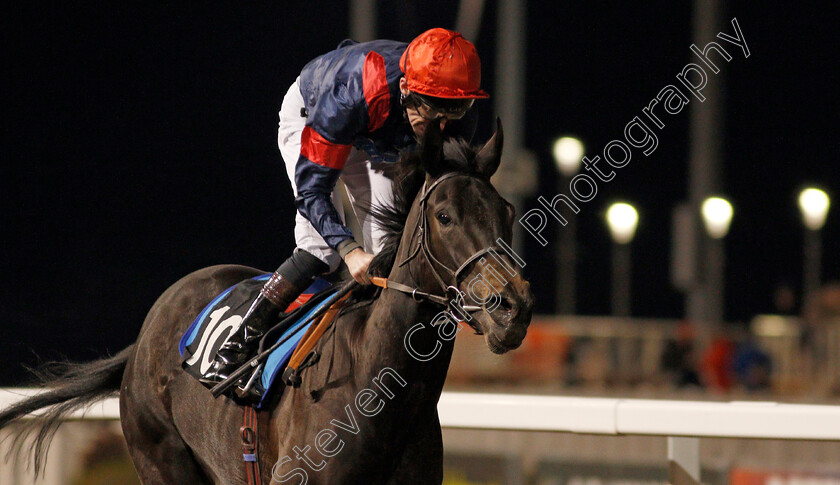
x: 302, y: 267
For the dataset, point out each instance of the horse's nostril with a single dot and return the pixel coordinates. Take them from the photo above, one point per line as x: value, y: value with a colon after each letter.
x: 506, y: 305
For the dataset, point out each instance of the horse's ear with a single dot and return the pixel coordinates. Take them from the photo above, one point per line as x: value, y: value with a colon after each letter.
x: 490, y: 155
x: 432, y: 149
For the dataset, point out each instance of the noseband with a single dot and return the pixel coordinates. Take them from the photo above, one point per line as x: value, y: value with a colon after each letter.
x: 450, y: 291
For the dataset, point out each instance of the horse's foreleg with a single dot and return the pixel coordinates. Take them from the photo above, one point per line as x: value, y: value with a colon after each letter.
x: 422, y: 459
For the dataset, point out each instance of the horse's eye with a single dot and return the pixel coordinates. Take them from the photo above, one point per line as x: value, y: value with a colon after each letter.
x: 444, y: 218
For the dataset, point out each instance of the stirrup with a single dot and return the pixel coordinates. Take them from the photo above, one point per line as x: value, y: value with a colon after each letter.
x: 249, y: 390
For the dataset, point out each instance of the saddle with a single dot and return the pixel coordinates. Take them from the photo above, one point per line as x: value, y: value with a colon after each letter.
x: 300, y: 323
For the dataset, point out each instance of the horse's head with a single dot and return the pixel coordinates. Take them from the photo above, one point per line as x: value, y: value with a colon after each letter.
x: 458, y: 234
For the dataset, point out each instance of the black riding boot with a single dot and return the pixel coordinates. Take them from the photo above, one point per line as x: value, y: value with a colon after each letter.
x: 277, y: 293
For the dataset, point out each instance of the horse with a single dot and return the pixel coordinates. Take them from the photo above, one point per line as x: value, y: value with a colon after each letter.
x: 367, y: 411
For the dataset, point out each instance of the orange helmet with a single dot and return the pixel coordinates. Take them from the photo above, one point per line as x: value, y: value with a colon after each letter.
x: 443, y: 64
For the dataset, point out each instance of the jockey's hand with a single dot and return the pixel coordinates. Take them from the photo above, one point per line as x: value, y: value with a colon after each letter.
x: 358, y: 262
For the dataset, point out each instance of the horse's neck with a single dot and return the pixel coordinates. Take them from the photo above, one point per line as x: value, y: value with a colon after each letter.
x: 376, y: 344
x: 396, y: 315
x: 393, y: 316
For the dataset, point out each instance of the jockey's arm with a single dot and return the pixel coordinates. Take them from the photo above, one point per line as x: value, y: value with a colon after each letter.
x: 325, y: 145
x: 315, y: 184
x: 316, y: 174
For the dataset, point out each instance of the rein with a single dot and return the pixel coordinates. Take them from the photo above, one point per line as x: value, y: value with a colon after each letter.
x: 415, y: 293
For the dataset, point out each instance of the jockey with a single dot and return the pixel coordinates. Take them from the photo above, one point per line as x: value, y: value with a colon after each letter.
x: 346, y: 116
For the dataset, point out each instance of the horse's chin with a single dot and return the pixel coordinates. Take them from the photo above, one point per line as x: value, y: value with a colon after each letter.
x: 500, y: 336
x: 497, y: 346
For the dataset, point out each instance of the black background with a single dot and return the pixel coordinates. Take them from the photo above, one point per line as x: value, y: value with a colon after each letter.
x: 140, y: 144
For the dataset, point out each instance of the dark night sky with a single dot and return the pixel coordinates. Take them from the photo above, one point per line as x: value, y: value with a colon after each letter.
x: 140, y: 145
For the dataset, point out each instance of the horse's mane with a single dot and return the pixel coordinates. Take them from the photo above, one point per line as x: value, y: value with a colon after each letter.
x: 409, y: 173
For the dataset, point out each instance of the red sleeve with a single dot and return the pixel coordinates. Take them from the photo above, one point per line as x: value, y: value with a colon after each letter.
x: 318, y: 149
x: 375, y: 86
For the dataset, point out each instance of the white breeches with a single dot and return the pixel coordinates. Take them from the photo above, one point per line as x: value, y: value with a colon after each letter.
x: 364, y: 181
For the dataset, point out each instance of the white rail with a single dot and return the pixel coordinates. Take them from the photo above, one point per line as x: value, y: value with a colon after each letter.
x: 683, y: 422
x: 764, y: 420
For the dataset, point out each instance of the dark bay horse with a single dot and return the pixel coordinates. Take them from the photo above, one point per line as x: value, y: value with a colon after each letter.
x: 367, y: 411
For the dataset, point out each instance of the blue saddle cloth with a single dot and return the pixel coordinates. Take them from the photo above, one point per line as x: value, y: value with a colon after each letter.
x: 222, y: 317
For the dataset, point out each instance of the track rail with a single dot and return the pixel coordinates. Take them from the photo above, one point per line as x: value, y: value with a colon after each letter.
x: 607, y: 416
x: 683, y: 422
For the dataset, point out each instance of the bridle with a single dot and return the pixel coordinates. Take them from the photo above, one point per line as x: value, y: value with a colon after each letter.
x: 451, y: 293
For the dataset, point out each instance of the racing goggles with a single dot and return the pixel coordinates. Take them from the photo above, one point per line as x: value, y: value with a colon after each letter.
x: 431, y: 108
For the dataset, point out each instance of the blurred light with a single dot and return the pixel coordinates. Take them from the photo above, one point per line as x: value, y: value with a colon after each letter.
x: 717, y: 215
x: 814, y: 206
x: 622, y: 219
x: 568, y: 152
x: 774, y: 326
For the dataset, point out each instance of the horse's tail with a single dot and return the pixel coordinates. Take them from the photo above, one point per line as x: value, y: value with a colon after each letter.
x: 71, y: 387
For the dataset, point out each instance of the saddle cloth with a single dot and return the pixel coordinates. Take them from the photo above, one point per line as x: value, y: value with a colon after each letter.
x: 223, y: 316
